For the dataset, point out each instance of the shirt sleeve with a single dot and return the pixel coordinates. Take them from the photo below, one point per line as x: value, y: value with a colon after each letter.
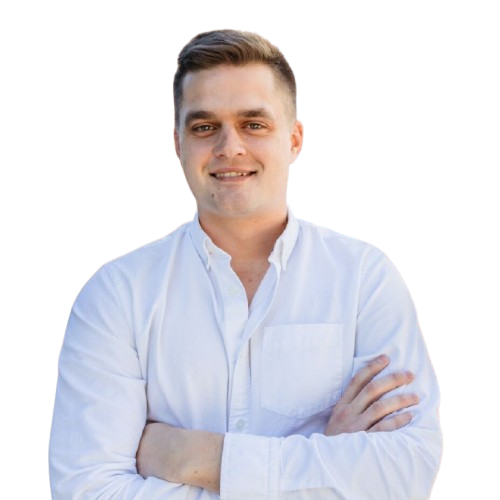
x: 397, y: 465
x: 101, y: 408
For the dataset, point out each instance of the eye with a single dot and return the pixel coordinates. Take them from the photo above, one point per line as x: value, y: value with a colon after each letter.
x: 203, y: 128
x: 254, y: 126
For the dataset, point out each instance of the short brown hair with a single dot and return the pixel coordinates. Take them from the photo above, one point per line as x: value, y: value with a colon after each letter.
x: 214, y: 48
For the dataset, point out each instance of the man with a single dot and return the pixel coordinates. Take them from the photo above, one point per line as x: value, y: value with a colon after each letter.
x: 247, y: 354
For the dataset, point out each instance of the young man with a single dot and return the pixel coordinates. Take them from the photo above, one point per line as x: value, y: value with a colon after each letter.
x: 248, y: 353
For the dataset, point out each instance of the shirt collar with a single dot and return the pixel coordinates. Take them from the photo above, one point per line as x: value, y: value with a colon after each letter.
x: 282, y: 250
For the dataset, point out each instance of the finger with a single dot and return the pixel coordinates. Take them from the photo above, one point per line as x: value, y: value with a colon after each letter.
x: 363, y: 377
x: 375, y: 389
x: 392, y: 423
x: 384, y: 407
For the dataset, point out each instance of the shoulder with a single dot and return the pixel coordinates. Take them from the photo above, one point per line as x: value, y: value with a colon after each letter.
x: 353, y: 255
x: 338, y: 244
x: 374, y: 266
x: 152, y: 253
x: 145, y: 263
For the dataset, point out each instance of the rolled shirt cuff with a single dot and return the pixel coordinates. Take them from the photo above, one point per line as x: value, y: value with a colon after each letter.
x: 251, y: 467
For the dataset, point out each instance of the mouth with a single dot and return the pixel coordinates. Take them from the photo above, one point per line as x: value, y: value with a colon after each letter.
x: 227, y: 175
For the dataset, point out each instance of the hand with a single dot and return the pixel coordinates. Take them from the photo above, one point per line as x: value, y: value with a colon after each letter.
x: 181, y: 456
x: 361, y: 408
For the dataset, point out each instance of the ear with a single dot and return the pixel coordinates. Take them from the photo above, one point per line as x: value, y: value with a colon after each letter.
x: 297, y: 138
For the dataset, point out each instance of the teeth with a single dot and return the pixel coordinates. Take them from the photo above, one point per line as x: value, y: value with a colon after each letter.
x: 231, y: 174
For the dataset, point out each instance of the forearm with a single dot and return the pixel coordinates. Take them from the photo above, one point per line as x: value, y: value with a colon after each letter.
x: 183, y: 456
x: 360, y: 465
x: 203, y: 465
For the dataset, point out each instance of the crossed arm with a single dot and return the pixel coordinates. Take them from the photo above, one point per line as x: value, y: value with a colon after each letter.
x: 194, y: 457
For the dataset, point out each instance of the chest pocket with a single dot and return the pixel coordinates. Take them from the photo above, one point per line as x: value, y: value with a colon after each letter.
x: 301, y: 368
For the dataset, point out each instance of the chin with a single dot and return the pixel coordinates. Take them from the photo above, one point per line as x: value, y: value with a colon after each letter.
x: 236, y: 208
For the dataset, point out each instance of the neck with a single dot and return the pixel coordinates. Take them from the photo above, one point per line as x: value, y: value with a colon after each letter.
x: 251, y: 238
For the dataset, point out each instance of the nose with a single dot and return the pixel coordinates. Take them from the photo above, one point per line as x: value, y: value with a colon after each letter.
x: 230, y: 144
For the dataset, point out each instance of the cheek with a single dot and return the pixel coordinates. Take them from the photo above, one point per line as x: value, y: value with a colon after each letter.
x: 278, y: 157
x: 190, y: 149
x: 193, y: 160
x: 268, y: 152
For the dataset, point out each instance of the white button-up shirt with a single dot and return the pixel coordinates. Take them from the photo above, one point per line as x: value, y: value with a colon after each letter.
x: 165, y: 334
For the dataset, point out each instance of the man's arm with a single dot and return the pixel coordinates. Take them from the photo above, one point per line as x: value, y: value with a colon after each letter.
x: 101, y: 408
x: 181, y: 456
x: 194, y: 457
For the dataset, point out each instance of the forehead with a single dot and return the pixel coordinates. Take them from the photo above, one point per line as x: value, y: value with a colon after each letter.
x: 231, y: 89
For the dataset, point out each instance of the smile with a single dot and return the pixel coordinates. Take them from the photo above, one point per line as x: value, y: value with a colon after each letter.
x: 222, y: 175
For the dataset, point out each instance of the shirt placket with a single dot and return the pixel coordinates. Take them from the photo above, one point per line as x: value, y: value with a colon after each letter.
x: 235, y: 317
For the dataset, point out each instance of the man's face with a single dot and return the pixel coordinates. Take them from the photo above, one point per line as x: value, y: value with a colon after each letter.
x: 236, y: 139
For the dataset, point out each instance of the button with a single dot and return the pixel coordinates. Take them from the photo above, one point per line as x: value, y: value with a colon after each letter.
x: 240, y: 425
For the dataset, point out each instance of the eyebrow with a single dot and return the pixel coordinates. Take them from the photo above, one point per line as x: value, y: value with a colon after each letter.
x: 244, y: 113
x: 255, y: 113
x: 198, y: 115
